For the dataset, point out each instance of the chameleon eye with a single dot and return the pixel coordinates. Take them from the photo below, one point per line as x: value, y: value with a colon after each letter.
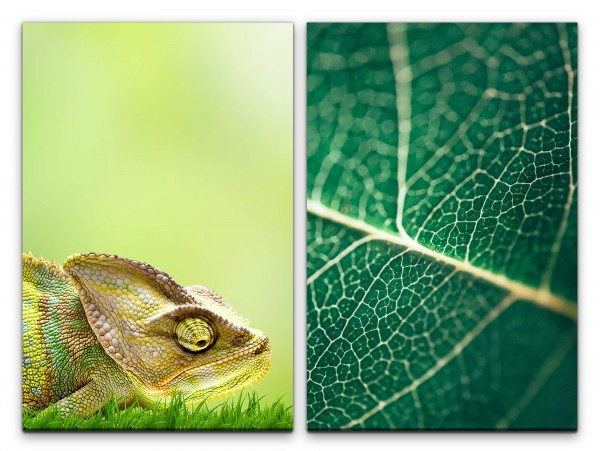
x: 195, y: 334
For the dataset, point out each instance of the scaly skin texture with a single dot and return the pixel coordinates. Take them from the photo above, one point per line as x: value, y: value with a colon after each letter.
x: 103, y: 325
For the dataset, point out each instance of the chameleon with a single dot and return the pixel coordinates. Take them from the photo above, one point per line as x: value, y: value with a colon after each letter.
x: 101, y: 326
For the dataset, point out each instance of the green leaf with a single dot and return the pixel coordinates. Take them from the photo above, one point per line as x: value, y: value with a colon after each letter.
x: 442, y: 222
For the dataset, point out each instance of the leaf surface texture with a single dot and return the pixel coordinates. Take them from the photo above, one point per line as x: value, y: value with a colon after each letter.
x: 441, y: 229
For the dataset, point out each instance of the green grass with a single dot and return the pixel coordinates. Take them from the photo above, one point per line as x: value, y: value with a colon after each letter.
x: 244, y: 413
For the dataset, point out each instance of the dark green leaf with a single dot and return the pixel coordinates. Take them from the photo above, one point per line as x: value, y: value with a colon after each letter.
x: 442, y: 221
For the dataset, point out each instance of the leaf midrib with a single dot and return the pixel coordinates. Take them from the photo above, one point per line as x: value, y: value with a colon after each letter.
x: 540, y: 296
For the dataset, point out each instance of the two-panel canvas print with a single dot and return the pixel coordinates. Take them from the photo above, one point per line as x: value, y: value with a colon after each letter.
x: 441, y: 226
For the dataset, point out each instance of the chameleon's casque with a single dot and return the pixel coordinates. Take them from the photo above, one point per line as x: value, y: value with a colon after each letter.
x: 103, y: 325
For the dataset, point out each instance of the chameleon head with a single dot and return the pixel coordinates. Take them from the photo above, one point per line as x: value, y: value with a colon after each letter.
x: 169, y: 339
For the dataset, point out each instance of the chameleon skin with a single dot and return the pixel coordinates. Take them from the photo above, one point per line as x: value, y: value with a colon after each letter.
x: 102, y: 325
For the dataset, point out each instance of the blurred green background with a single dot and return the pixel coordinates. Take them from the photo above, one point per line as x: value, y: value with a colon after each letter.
x: 170, y: 144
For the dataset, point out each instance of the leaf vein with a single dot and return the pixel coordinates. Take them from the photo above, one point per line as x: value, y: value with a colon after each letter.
x: 540, y: 296
x: 457, y: 350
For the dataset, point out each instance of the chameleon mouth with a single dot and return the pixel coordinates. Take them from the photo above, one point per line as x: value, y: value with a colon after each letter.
x: 249, y: 352
x: 254, y: 351
x: 233, y: 391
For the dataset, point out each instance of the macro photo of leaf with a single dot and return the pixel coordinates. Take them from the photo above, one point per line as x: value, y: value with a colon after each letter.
x: 157, y: 215
x: 441, y: 226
